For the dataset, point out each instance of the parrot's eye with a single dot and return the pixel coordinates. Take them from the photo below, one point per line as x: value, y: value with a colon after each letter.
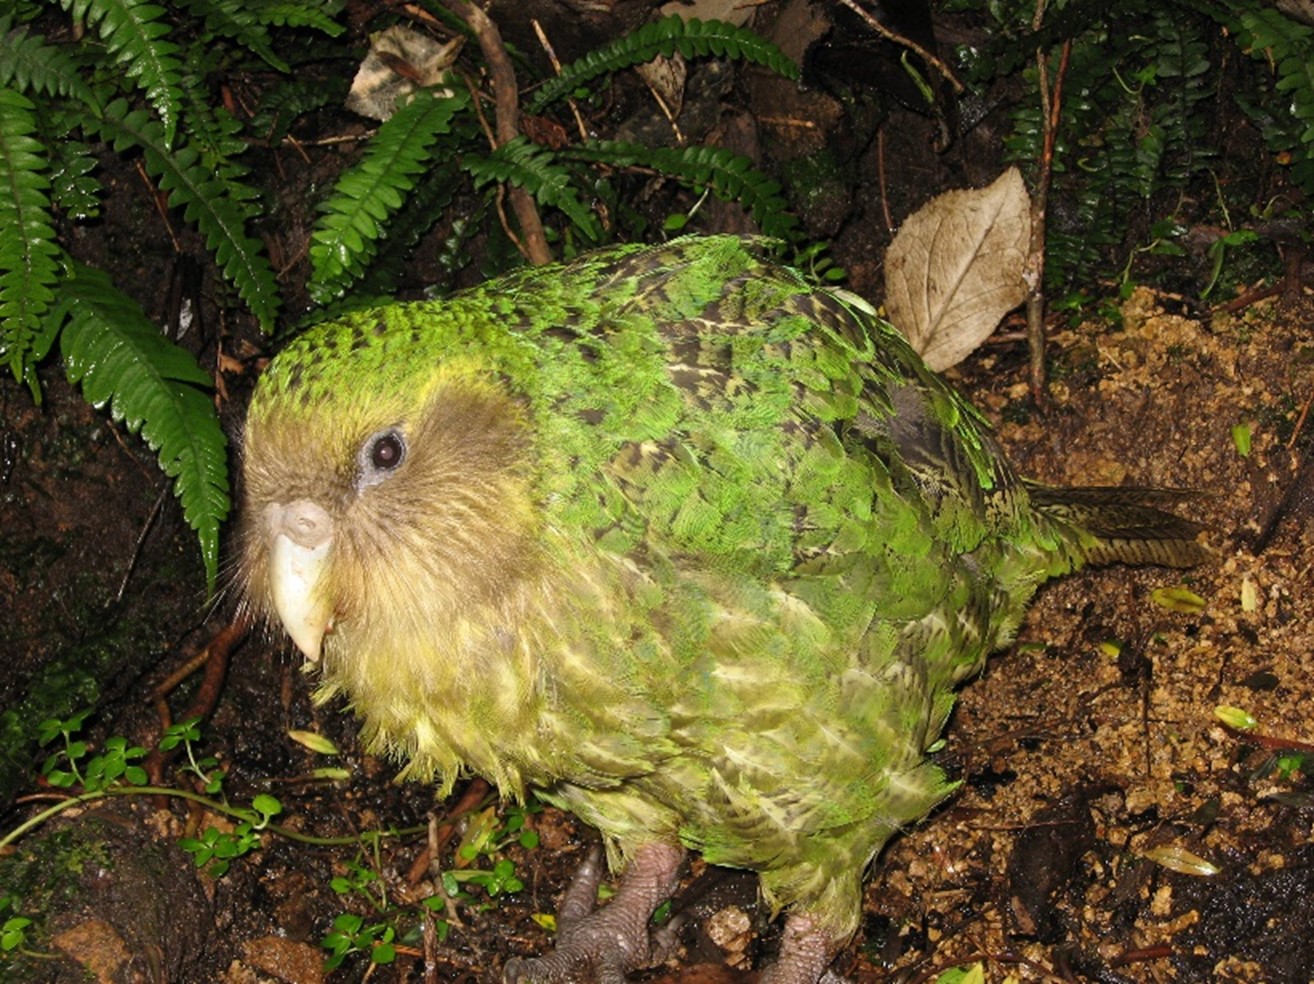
x: 381, y: 454
x: 387, y: 450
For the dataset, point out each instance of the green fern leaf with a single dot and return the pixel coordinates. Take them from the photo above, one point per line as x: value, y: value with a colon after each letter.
x: 74, y: 190
x: 280, y: 106
x: 152, y: 385
x: 218, y: 206
x: 1270, y: 35
x: 692, y: 38
x: 29, y: 255
x: 730, y: 176
x: 286, y: 13
x: 347, y: 234
x: 1296, y: 77
x: 217, y: 135
x: 247, y: 22
x: 713, y: 37
x: 239, y: 20
x: 29, y: 64
x: 133, y: 32
x: 529, y: 166
x: 423, y: 208
x: 1275, y: 39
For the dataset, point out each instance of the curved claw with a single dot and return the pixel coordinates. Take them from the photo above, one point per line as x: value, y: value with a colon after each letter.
x: 605, y: 944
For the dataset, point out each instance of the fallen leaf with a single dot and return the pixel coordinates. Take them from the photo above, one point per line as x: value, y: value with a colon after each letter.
x: 666, y: 78
x: 1178, y: 600
x: 955, y: 268
x: 314, y: 741
x: 1180, y: 860
x: 399, y: 62
x: 1235, y: 718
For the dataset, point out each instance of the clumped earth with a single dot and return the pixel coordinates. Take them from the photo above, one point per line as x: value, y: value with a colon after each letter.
x: 1109, y: 827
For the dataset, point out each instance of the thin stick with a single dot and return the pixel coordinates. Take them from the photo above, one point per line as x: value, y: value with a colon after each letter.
x: 556, y: 67
x: 214, y: 657
x: 1300, y: 422
x: 1051, y: 101
x: 507, y: 100
x: 141, y: 540
x: 931, y: 59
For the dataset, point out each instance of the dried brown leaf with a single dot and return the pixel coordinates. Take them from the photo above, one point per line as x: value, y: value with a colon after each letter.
x: 955, y: 268
x: 399, y: 62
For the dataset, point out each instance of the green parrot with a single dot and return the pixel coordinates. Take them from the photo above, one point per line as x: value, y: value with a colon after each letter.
x: 695, y: 549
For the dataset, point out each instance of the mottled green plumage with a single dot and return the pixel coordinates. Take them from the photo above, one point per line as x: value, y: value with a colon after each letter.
x: 698, y: 550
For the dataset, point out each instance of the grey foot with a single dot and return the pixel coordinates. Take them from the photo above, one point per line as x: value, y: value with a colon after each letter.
x: 805, y: 952
x: 605, y: 944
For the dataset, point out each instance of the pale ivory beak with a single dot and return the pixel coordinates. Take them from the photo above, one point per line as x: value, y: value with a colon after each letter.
x: 300, y: 542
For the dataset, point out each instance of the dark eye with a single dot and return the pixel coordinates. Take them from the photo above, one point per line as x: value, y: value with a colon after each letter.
x: 387, y: 451
x: 381, y: 454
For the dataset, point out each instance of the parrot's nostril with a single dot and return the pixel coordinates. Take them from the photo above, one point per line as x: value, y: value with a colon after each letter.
x: 304, y: 522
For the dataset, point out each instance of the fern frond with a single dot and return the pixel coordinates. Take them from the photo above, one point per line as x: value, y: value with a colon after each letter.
x: 1290, y: 45
x: 730, y: 176
x: 286, y: 13
x: 713, y: 37
x: 218, y: 207
x: 1287, y: 46
x: 217, y: 136
x: 237, y: 19
x: 1296, y: 76
x: 366, y: 196
x: 248, y: 21
x: 283, y: 104
x: 29, y: 265
x: 442, y: 181
x: 692, y: 38
x: 134, y: 34
x: 74, y: 189
x: 152, y: 385
x: 534, y: 168
x: 1269, y: 34
x: 29, y: 64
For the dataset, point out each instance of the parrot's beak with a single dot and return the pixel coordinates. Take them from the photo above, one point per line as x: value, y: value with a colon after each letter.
x: 300, y: 543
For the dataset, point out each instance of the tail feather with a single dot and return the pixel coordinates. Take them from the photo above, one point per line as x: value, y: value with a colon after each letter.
x: 1124, y: 525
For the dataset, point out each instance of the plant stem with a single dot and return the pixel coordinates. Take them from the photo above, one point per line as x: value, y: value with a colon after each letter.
x: 239, y: 813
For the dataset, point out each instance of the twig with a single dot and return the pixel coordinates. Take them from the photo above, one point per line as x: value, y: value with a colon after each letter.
x: 141, y: 540
x: 161, y: 203
x: 1035, y: 267
x: 1160, y: 952
x: 330, y: 141
x: 788, y: 121
x: 880, y: 179
x: 507, y: 101
x: 931, y: 59
x: 1300, y: 422
x: 556, y: 67
x: 1297, y: 497
x: 477, y: 103
x: 1250, y: 297
x: 1273, y: 742
x: 474, y: 795
x: 214, y: 657
x: 66, y: 802
x: 430, y: 917
x: 1005, y: 957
